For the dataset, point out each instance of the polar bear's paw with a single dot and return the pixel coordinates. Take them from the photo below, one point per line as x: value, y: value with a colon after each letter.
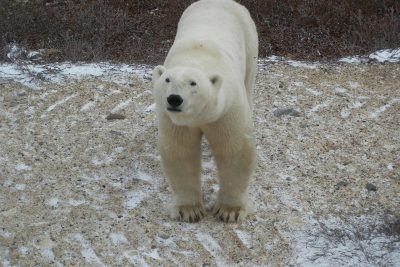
x: 188, y: 213
x: 228, y: 213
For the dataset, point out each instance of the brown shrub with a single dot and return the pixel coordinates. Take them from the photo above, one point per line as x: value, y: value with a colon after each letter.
x: 142, y: 31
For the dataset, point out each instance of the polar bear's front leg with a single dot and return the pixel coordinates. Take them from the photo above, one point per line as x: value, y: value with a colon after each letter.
x: 180, y: 155
x: 234, y: 153
x: 235, y: 169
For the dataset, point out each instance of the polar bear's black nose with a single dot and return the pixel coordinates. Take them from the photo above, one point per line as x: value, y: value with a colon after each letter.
x: 174, y: 100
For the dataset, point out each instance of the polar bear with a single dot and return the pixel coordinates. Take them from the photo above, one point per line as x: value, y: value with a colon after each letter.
x: 205, y: 88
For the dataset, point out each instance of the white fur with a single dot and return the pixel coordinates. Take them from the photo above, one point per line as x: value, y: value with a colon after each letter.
x: 212, y: 66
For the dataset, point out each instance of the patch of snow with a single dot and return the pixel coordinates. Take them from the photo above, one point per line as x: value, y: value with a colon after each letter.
x: 212, y: 246
x: 208, y: 243
x: 84, y: 70
x: 34, y: 55
x: 4, y: 256
x: 300, y: 64
x: 244, y: 237
x: 74, y: 202
x: 15, y: 52
x: 23, y: 167
x: 357, y: 104
x: 345, y: 113
x: 294, y: 63
x: 45, y: 247
x: 118, y: 239
x: 30, y: 111
x: 31, y: 74
x: 58, y: 103
x: 134, y: 258
x: 312, y: 91
x: 105, y: 160
x: 121, y: 106
x: 381, y: 56
x: 134, y: 199
x: 386, y: 55
x: 340, y: 90
x: 20, y: 186
x: 353, y: 85
x: 9, y: 71
x: 87, y: 251
x: 352, y: 60
x: 119, y: 149
x: 48, y: 254
x: 150, y: 108
x: 153, y: 254
x: 298, y: 83
x: 144, y: 176
x: 53, y: 202
x: 287, y: 177
x: 24, y: 250
x: 319, y: 107
x: 5, y: 234
x: 88, y: 106
x: 375, y: 114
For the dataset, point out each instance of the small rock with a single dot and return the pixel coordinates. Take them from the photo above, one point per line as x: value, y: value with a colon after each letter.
x: 341, y: 184
x: 116, y: 133
x: 286, y: 111
x: 34, y: 55
x: 112, y: 116
x: 163, y: 236
x: 371, y: 187
x: 147, y: 77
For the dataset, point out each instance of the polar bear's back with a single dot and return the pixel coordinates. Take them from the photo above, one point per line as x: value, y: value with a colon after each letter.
x: 226, y: 23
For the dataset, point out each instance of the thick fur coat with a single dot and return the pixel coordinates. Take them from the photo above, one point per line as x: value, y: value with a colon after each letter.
x: 205, y: 89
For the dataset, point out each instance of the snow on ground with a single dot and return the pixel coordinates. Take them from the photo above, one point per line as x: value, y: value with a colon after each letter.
x: 381, y: 56
x: 31, y: 74
x: 80, y: 189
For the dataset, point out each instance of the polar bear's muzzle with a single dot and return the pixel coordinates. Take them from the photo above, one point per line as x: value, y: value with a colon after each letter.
x: 174, y: 103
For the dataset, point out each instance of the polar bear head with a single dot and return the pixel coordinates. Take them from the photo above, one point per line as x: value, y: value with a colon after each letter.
x: 187, y: 95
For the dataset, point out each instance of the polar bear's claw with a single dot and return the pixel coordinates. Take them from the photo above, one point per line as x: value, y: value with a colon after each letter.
x: 188, y: 213
x: 229, y: 214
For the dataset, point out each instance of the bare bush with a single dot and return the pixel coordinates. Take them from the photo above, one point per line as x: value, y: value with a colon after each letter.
x: 142, y: 31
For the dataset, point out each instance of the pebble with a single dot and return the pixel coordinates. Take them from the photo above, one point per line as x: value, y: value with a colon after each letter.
x: 341, y: 184
x: 371, y: 187
x: 112, y: 116
x: 286, y: 111
x: 163, y: 236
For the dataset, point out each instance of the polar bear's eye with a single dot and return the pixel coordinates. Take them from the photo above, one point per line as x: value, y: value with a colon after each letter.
x: 193, y: 83
x: 167, y: 80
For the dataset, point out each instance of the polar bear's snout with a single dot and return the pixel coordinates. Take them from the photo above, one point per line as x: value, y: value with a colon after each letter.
x: 174, y: 102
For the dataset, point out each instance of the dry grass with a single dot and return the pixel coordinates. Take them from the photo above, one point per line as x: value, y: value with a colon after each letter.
x: 141, y: 31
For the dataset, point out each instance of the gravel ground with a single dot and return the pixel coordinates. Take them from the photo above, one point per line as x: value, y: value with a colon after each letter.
x: 81, y: 187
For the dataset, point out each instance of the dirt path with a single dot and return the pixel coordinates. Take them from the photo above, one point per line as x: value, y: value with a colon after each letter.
x: 78, y: 189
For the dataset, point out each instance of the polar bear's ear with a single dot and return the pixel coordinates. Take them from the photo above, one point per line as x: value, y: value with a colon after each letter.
x: 216, y: 81
x: 158, y: 71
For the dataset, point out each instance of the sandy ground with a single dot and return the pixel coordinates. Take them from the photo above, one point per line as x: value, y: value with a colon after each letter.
x: 78, y: 189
